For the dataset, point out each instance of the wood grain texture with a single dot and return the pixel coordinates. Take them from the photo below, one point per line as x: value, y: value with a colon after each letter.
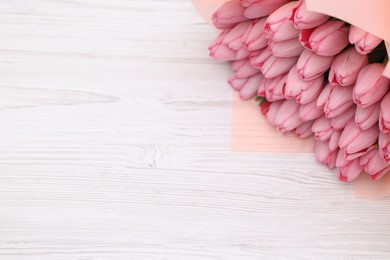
x: 114, y: 144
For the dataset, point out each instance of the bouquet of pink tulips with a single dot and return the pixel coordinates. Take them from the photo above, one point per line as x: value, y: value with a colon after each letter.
x: 312, y: 75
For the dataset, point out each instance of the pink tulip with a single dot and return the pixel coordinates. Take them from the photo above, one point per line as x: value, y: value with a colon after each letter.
x: 346, y: 67
x: 236, y: 65
x: 254, y: 37
x: 311, y: 65
x: 272, y: 113
x: 264, y: 107
x: 253, y: 56
x: 275, y: 66
x: 384, y: 146
x: 278, y: 24
x: 234, y: 37
x: 249, y: 89
x: 218, y: 40
x: 287, y: 117
x: 258, y: 58
x: 325, y: 155
x: 339, y: 122
x: 286, y: 49
x: 262, y: 87
x: 335, y: 100
x: 373, y: 164
x: 367, y: 117
x: 242, y: 53
x: 384, y: 114
x: 364, y: 41
x: 222, y: 52
x: 247, y: 3
x: 263, y: 8
x: 370, y: 86
x: 273, y: 88
x: 237, y: 83
x: 305, y: 19
x: 327, y: 40
x: 310, y: 111
x: 304, y: 130
x: 220, y: 48
x: 334, y: 139
x: 229, y: 14
x: 244, y: 69
x: 322, y: 129
x: 303, y: 91
x: 356, y: 142
x: 347, y: 170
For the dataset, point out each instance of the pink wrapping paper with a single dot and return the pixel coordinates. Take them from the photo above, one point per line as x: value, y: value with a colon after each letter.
x: 251, y: 133
x: 207, y: 7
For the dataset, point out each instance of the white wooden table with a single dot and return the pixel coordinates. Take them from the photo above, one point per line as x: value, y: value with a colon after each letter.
x: 114, y: 144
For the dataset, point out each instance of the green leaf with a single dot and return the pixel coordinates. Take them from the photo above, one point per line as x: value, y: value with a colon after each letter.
x: 262, y: 101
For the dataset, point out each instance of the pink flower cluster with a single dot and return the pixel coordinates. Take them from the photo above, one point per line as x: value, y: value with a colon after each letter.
x: 314, y: 75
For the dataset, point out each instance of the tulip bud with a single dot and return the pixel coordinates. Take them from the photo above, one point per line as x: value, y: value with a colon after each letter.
x: 249, y: 89
x: 370, y: 86
x: 237, y: 83
x: 228, y: 15
x: 304, y: 19
x: 327, y: 40
x: 234, y: 37
x: 244, y: 69
x: 364, y: 41
x: 278, y: 24
x: 347, y: 170
x: 246, y: 3
x: 264, y: 107
x: 273, y: 110
x: 285, y: 49
x: 322, y: 129
x: 325, y: 155
x: 304, y: 130
x: 218, y: 40
x: 346, y: 67
x: 384, y: 146
x: 356, y: 142
x: 367, y: 117
x: 310, y: 65
x: 334, y: 140
x: 287, y: 117
x: 242, y: 53
x: 253, y: 57
x: 303, y: 91
x: 373, y: 164
x: 236, y: 65
x: 310, y: 111
x: 262, y: 87
x: 273, y: 88
x: 222, y: 52
x: 335, y: 100
x: 254, y: 37
x: 275, y: 66
x: 384, y: 114
x: 263, y: 56
x: 263, y: 8
x: 339, y: 122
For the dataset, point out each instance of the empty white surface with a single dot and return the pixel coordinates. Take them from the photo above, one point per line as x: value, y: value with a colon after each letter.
x: 114, y: 144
